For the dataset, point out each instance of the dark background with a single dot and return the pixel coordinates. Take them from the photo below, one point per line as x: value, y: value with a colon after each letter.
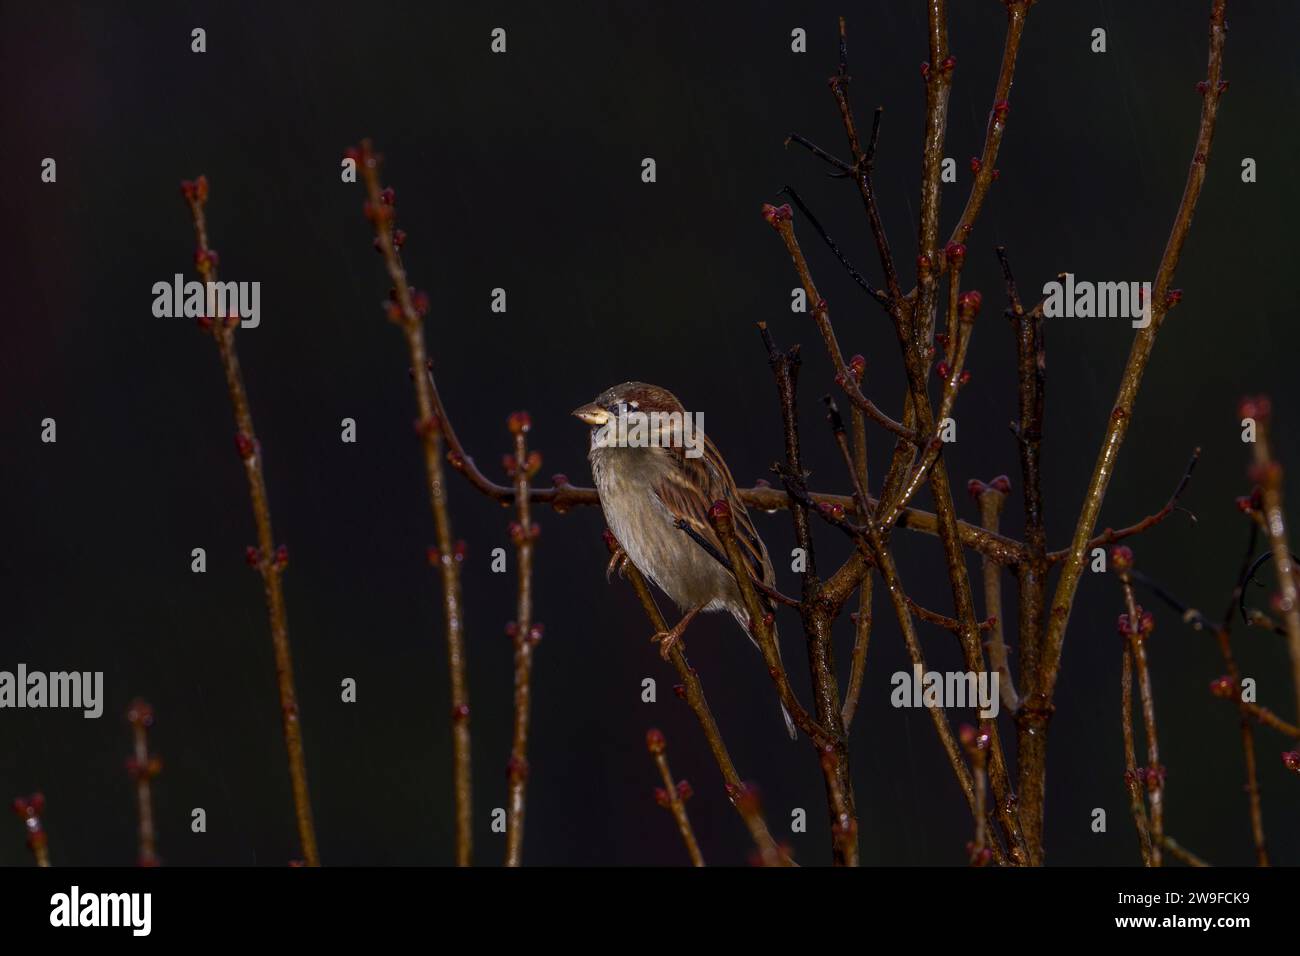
x: 523, y: 171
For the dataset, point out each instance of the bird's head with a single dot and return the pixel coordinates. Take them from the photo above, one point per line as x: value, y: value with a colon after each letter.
x: 633, y: 397
x: 656, y: 407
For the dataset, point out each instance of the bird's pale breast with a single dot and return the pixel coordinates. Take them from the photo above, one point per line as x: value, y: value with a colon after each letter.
x: 644, y: 527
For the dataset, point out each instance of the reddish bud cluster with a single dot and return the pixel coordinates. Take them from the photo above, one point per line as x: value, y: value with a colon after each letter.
x: 252, y: 556
x: 1291, y: 760
x: 973, y: 739
x: 980, y: 857
x: 532, y: 465
x: 1142, y: 626
x: 206, y: 257
x: 942, y: 370
x: 281, y: 557
x: 1173, y: 297
x: 925, y: 68
x: 654, y: 741
x: 426, y: 428
x: 1001, y: 109
x: 858, y: 367
x: 388, y: 197
x: 662, y: 798
x: 195, y: 190
x: 516, y: 769
x: 521, y: 535
x: 461, y: 550
x: 143, y: 771
x: 519, y: 423
x: 745, y: 797
x: 460, y: 712
x: 29, y: 807
x: 139, y: 713
x: 1258, y: 407
x: 720, y: 513
x: 831, y: 509
x: 775, y: 215
x: 968, y: 304
x: 379, y: 215
x: 923, y: 265
x: 949, y: 64
x: 1001, y: 483
x: 680, y: 690
x: 956, y: 254
x: 247, y: 446
x: 975, y: 164
x: 1154, y: 777
x: 1225, y: 688
x: 684, y: 790
x: 1121, y: 557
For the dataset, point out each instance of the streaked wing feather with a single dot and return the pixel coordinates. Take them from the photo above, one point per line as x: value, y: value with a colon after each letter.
x: 689, y: 489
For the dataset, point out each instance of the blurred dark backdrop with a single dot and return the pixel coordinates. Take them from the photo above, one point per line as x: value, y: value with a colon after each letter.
x: 522, y: 171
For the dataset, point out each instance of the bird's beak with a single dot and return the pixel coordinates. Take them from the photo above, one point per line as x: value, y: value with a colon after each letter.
x: 592, y: 414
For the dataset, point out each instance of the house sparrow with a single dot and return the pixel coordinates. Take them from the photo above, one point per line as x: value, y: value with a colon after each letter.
x: 653, y: 466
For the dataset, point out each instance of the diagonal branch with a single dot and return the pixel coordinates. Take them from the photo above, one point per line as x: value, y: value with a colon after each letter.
x: 1213, y: 88
x: 692, y: 691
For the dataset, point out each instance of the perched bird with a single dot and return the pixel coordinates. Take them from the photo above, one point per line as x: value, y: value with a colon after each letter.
x: 653, y: 466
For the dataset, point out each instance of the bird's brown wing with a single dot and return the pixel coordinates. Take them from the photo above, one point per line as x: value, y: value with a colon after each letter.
x: 691, y: 487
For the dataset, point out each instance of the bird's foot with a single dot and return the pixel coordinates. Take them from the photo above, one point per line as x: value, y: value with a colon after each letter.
x: 617, y: 562
x: 668, y: 639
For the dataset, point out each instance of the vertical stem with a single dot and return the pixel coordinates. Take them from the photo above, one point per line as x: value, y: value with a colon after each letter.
x: 1131, y: 777
x: 407, y: 314
x: 143, y: 768
x: 269, y: 563
x: 526, y: 636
